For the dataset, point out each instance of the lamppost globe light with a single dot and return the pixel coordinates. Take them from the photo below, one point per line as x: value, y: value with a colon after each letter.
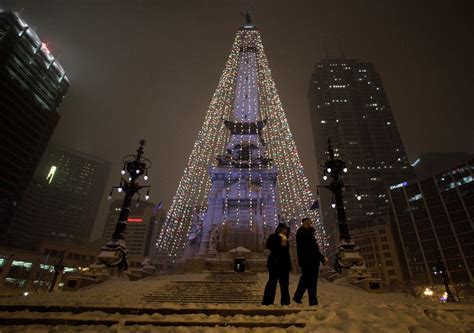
x: 345, y: 169
x: 359, y: 197
x: 119, y: 189
x: 147, y: 197
x: 325, y: 177
x: 137, y: 171
x: 109, y: 197
x: 333, y: 205
x: 328, y: 170
x: 122, y: 172
x: 145, y: 177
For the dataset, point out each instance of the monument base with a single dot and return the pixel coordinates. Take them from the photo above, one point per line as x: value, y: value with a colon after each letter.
x: 224, y: 262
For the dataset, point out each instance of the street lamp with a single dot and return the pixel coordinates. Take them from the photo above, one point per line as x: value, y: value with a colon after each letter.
x: 114, y: 253
x: 335, y: 168
x: 440, y: 269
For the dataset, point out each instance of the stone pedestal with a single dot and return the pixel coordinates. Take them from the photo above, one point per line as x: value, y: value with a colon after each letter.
x: 351, y: 266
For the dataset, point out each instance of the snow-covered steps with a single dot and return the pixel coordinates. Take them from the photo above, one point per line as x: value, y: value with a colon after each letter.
x: 157, y: 317
x: 65, y: 321
x: 138, y: 311
x: 217, y: 287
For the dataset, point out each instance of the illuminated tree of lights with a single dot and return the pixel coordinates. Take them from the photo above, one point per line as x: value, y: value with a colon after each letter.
x: 294, y: 194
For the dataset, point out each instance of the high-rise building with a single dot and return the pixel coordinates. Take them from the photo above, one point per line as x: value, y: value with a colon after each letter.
x: 434, y: 218
x: 62, y: 200
x: 144, y: 224
x: 348, y: 105
x: 32, y: 86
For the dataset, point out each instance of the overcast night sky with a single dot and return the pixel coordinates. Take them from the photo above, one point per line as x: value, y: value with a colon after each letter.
x: 148, y: 69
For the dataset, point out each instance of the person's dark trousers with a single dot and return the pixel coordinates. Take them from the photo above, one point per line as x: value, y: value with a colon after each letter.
x: 270, y: 288
x: 308, y: 280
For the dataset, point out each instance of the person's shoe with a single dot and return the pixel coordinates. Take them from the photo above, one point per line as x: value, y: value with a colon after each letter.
x: 297, y: 300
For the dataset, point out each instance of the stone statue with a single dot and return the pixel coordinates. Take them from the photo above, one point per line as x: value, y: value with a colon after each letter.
x: 248, y: 17
x: 213, y: 239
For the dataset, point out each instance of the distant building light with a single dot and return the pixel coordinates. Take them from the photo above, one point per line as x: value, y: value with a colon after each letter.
x: 428, y: 292
x: 416, y: 197
x: 51, y: 173
x: 137, y: 220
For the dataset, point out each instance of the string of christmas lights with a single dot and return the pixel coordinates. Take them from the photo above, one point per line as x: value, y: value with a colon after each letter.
x: 292, y: 195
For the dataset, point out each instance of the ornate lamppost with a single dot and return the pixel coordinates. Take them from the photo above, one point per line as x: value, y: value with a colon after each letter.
x: 440, y: 269
x: 335, y: 168
x: 114, y: 253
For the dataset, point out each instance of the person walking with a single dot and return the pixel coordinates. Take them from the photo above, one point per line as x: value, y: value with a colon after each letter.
x: 279, y: 266
x: 309, y: 259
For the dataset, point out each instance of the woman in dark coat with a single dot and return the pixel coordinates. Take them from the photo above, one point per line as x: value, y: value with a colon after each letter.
x: 279, y: 266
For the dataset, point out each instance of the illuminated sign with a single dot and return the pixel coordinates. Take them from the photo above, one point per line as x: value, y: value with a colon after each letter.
x: 398, y: 185
x: 137, y: 220
x: 51, y: 173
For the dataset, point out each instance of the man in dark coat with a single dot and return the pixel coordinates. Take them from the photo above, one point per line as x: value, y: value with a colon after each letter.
x: 309, y: 259
x: 279, y: 266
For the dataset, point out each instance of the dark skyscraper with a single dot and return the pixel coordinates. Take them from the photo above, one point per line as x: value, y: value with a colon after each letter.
x: 32, y: 86
x: 348, y: 105
x: 62, y: 200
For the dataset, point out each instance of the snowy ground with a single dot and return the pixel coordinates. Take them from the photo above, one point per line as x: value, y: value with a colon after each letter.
x: 342, y: 309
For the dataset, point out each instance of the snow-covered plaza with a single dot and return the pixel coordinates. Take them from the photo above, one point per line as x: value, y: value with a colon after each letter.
x: 200, y: 303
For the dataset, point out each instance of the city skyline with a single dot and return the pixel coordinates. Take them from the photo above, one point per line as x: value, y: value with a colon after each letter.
x: 149, y: 54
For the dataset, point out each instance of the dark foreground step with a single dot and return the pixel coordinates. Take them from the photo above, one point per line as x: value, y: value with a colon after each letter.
x: 163, y: 323
x: 151, y: 310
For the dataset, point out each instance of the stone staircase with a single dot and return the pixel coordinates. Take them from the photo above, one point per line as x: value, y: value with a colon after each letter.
x: 161, y: 310
x: 217, y: 288
x: 120, y: 319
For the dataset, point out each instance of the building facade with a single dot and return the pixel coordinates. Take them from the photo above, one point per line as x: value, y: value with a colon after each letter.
x: 434, y: 217
x: 32, y: 85
x: 144, y: 224
x: 378, y: 246
x: 348, y: 105
x: 34, y: 270
x: 62, y: 200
